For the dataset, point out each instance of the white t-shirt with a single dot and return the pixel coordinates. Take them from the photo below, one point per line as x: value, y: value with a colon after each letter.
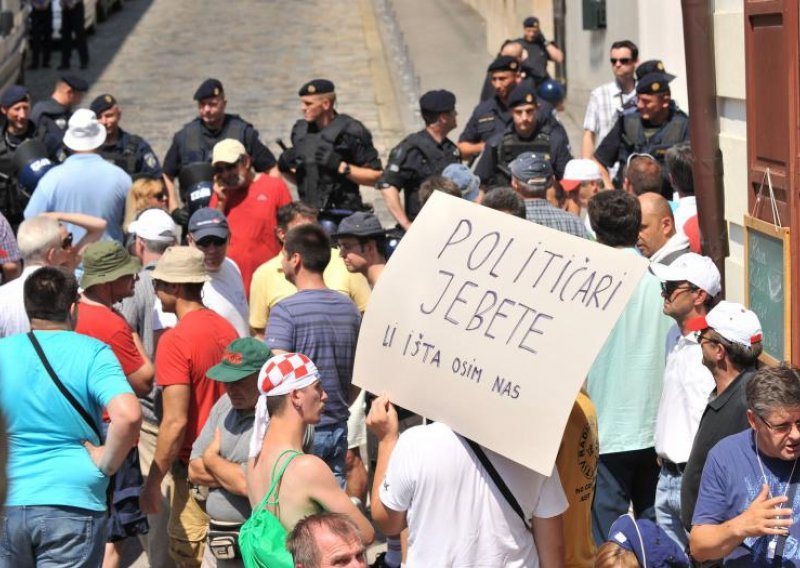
x: 456, y: 515
x: 13, y: 318
x: 224, y: 294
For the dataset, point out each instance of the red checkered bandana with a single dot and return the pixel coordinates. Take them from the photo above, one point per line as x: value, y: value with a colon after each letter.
x: 287, y: 372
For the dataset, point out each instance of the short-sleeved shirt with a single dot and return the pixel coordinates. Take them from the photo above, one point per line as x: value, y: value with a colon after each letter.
x: 111, y: 328
x: 416, y: 158
x: 252, y: 217
x: 9, y: 251
x: 537, y: 57
x: 48, y: 464
x: 270, y: 286
x: 13, y: 317
x: 84, y: 183
x: 490, y: 118
x: 732, y: 479
x: 235, y: 427
x: 224, y: 293
x: 542, y: 212
x: 184, y: 354
x: 181, y: 153
x: 323, y: 325
x: 725, y: 415
x: 455, y: 514
x: 605, y: 105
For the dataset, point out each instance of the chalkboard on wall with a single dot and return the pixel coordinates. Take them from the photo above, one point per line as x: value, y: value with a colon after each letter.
x: 767, y: 262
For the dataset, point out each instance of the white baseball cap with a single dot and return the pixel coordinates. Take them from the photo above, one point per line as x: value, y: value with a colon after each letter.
x: 577, y: 171
x: 698, y: 270
x: 732, y: 321
x: 154, y: 225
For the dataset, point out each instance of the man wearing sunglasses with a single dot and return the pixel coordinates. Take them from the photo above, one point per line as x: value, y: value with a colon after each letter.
x: 746, y: 510
x: 730, y: 339
x: 606, y: 100
x: 250, y: 202
x: 688, y: 286
x: 210, y: 233
x: 128, y: 151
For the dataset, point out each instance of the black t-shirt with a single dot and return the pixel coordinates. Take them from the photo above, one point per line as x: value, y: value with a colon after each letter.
x: 724, y: 416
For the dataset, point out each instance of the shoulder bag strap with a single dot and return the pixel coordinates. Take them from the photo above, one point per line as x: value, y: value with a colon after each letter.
x: 276, y: 479
x: 777, y: 562
x: 68, y: 395
x: 501, y: 485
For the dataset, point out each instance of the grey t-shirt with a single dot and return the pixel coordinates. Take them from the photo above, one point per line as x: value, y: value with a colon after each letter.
x: 235, y: 427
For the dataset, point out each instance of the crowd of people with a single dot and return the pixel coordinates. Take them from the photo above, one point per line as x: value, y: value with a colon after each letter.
x: 179, y: 336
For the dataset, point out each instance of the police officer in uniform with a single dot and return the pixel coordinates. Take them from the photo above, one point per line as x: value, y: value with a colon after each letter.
x: 128, y: 151
x: 15, y: 104
x: 530, y: 131
x: 54, y: 113
x: 195, y: 141
x: 331, y: 154
x: 654, y: 127
x: 539, y: 49
x: 492, y: 116
x: 420, y: 155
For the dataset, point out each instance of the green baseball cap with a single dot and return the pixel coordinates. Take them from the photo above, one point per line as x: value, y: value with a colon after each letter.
x: 241, y: 359
x: 105, y: 261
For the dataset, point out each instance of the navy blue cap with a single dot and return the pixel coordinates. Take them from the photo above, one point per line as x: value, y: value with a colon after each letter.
x: 653, y: 84
x: 209, y: 88
x: 13, y: 95
x: 360, y: 224
x: 504, y: 63
x: 651, y: 66
x: 437, y: 101
x: 77, y: 83
x: 316, y: 87
x: 208, y: 222
x: 529, y: 167
x: 523, y: 94
x: 647, y: 540
x: 102, y: 103
x: 530, y: 22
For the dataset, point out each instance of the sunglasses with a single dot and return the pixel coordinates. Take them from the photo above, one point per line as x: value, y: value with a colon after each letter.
x: 66, y: 242
x: 621, y: 60
x: 222, y: 168
x: 162, y: 196
x: 206, y: 242
x: 670, y: 287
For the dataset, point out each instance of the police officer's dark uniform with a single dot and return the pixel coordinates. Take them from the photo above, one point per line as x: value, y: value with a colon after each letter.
x: 13, y: 197
x: 491, y: 117
x: 548, y: 137
x: 315, y: 157
x: 195, y: 141
x: 419, y: 156
x: 537, y: 51
x: 52, y: 115
x: 631, y: 134
x: 130, y: 152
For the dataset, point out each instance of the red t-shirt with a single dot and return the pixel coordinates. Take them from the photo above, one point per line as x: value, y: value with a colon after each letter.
x: 251, y: 215
x: 184, y: 354
x: 111, y: 328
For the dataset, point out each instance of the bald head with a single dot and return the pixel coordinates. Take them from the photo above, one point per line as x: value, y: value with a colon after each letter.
x: 658, y: 223
x: 513, y: 49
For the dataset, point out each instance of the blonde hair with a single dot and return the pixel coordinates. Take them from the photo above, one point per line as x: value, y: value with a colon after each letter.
x: 612, y: 555
x: 136, y: 201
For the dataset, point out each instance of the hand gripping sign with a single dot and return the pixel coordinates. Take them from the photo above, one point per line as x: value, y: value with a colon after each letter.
x: 490, y: 323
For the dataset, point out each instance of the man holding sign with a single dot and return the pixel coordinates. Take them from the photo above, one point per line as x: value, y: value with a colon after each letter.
x: 426, y: 488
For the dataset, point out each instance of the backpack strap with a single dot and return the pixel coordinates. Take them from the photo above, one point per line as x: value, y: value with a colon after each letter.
x: 276, y: 479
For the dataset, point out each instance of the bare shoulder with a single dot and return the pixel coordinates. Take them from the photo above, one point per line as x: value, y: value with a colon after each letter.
x: 309, y: 466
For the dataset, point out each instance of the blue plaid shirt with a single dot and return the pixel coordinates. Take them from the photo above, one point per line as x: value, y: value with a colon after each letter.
x: 544, y: 213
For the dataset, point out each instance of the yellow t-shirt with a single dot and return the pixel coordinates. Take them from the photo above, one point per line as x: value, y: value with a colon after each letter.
x: 269, y: 286
x: 577, y: 468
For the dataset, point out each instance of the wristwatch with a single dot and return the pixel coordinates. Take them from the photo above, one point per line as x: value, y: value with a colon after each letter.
x: 346, y: 171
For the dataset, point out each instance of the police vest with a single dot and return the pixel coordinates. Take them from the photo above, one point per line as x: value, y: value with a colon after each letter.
x: 13, y: 198
x: 434, y: 160
x: 125, y: 159
x: 511, y: 146
x: 196, y: 149
x: 318, y: 186
x: 672, y: 132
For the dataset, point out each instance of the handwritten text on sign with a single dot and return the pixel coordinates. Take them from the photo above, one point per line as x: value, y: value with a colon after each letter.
x: 489, y: 323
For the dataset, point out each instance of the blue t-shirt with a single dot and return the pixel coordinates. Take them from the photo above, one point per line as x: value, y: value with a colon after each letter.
x: 731, y: 481
x: 322, y: 325
x: 48, y: 464
x: 84, y: 183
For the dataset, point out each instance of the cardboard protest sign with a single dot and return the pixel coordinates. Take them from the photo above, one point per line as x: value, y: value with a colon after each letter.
x: 489, y: 323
